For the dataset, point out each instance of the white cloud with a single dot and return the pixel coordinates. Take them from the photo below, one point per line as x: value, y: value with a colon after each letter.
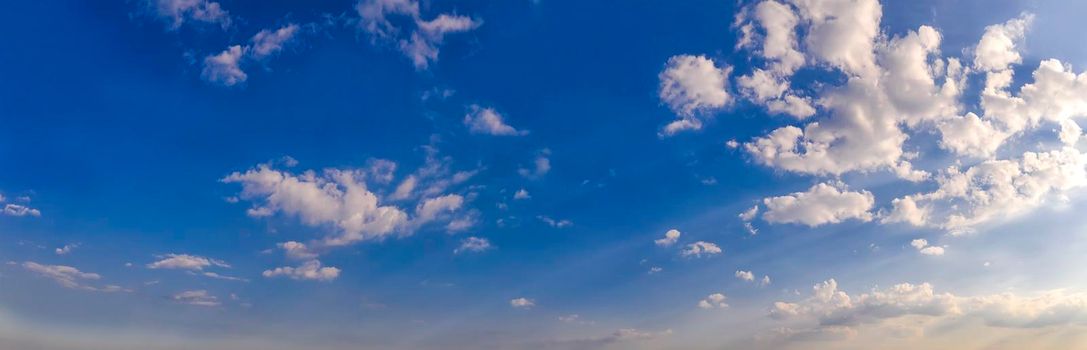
x: 296, y: 251
x: 309, y: 270
x: 994, y: 189
x: 669, y: 239
x: 487, y: 121
x: 922, y: 246
x: 69, y: 277
x: 522, y: 303
x: 700, y: 248
x: 196, y: 297
x: 268, y: 43
x: 67, y: 248
x: 713, y: 301
x: 655, y: 269
x: 541, y: 166
x: 217, y: 276
x: 521, y: 194
x: 338, y: 198
x: 185, y: 262
x: 420, y: 44
x: 999, y: 46
x: 473, y: 245
x: 555, y: 223
x: 830, y: 307
x: 749, y: 214
x: 12, y: 209
x: 177, y: 12
x: 225, y: 68
x: 692, y: 86
x: 822, y: 204
x: 745, y: 275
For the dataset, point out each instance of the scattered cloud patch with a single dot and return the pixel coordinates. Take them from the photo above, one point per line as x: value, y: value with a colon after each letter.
x: 473, y: 245
x: 701, y: 248
x: 670, y: 238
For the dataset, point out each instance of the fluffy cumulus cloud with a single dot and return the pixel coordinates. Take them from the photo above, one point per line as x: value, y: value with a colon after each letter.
x: 473, y: 245
x: 670, y: 238
x: 341, y: 199
x: 69, y: 277
x: 700, y: 249
x: 13, y: 209
x: 177, y: 12
x: 713, y: 301
x: 923, y: 247
x: 225, y: 68
x: 830, y: 308
x: 420, y: 39
x: 693, y: 87
x: 821, y: 204
x: 185, y: 262
x: 899, y: 87
x: 993, y: 189
x: 310, y: 270
x: 487, y: 121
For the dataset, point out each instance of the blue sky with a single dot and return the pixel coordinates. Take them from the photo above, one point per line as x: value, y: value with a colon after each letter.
x: 403, y: 174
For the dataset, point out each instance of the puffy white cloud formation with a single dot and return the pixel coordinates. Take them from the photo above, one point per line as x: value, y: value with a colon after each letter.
x: 487, y: 121
x: 896, y: 87
x: 821, y: 204
x: 196, y: 297
x: 522, y: 303
x: 713, y: 301
x: 185, y: 262
x: 693, y: 87
x: 225, y: 68
x: 309, y: 270
x: 922, y: 247
x: 745, y: 275
x: 700, y: 248
x: 994, y: 189
x: 177, y: 12
x: 522, y: 194
x: 831, y: 308
x: 12, y: 209
x: 670, y: 238
x: 69, y: 277
x: 421, y: 42
x: 341, y: 199
x: 473, y: 245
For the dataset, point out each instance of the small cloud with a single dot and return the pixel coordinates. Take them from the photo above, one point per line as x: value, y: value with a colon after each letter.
x: 473, y: 245
x: 700, y: 248
x: 310, y: 270
x: 196, y: 297
x: 669, y: 239
x: 185, y: 262
x: 924, y: 248
x: 713, y: 301
x: 521, y: 194
x: 487, y: 121
x: 555, y: 223
x: 67, y: 248
x: 522, y: 303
